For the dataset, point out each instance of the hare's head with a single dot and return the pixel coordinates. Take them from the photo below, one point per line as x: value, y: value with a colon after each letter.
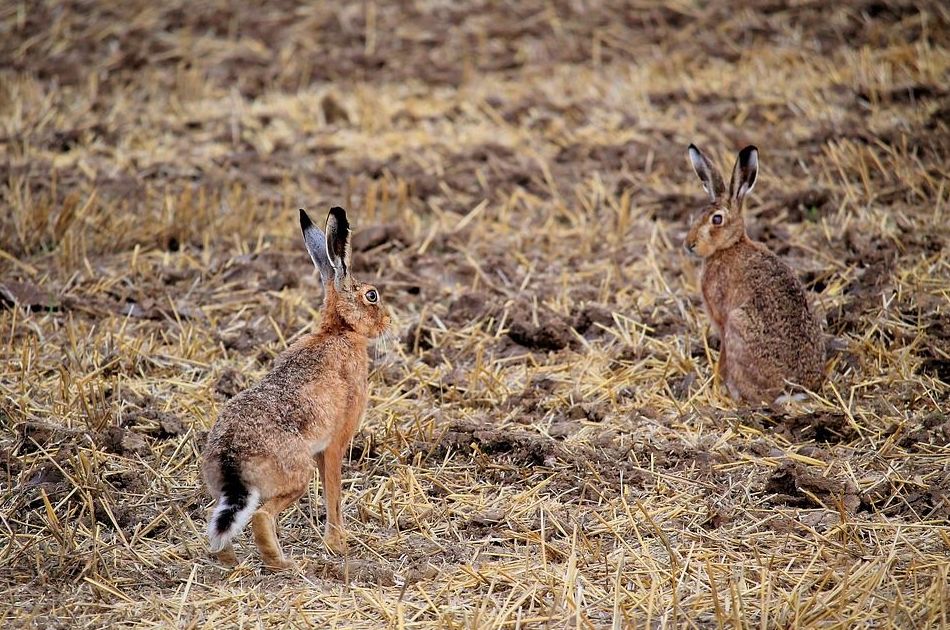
x: 720, y: 224
x: 350, y: 304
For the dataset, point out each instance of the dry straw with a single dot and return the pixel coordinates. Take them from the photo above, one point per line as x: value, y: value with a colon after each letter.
x: 546, y: 446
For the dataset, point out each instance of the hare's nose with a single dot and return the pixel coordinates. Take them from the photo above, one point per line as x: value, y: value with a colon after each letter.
x: 690, y: 247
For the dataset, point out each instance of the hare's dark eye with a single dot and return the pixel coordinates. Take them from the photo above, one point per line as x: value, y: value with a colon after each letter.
x: 717, y: 219
x: 372, y: 296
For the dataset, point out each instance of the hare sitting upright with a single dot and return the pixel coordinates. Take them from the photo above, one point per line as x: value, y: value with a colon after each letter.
x: 261, y: 452
x: 769, y: 336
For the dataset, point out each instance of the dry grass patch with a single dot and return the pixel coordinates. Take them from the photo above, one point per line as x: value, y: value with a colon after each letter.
x: 545, y: 445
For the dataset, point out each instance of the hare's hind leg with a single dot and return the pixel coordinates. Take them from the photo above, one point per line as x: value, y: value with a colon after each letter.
x: 743, y: 373
x: 264, y: 523
x: 226, y: 556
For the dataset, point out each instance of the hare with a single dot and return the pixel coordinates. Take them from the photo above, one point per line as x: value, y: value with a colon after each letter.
x: 261, y: 452
x: 769, y: 336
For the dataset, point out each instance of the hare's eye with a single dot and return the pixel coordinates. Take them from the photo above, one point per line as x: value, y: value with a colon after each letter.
x: 717, y: 219
x: 372, y: 296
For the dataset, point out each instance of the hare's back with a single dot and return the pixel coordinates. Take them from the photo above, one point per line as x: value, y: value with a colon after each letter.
x: 777, y: 302
x: 292, y: 402
x: 252, y: 421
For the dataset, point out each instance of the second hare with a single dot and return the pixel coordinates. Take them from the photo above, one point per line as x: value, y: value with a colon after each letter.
x: 267, y: 441
x: 769, y: 336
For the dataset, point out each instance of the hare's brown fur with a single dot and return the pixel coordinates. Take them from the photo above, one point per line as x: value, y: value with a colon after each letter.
x: 268, y: 439
x: 769, y: 335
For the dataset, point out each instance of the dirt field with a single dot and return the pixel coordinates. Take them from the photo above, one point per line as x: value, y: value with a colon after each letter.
x: 545, y: 445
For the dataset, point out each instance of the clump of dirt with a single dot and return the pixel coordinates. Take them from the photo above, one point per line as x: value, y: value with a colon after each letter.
x: 912, y: 495
x: 661, y: 321
x: 363, y: 446
x: 420, y: 572
x: 10, y: 463
x: 937, y: 367
x: 561, y: 429
x: 868, y: 249
x: 130, y: 481
x: 44, y: 475
x: 718, y: 515
x: 550, y: 333
x: 170, y: 426
x: 864, y: 296
x: 353, y: 570
x: 123, y: 442
x: 417, y: 338
x: 489, y: 169
x: 795, y: 486
x: 489, y: 518
x: 591, y: 319
x: 247, y: 338
x: 809, y: 204
x: 531, y: 398
x: 378, y: 235
x: 621, y: 158
x: 229, y: 384
x: 27, y: 295
x: 682, y: 386
x: 675, y: 208
x: 936, y: 352
x: 774, y: 235
x: 592, y: 412
x: 267, y: 271
x: 333, y: 112
x: 45, y: 479
x: 933, y: 430
x: 470, y: 307
x: 519, y: 446
x: 143, y: 307
x: 524, y: 449
x: 34, y: 434
x: 160, y: 424
x: 822, y: 427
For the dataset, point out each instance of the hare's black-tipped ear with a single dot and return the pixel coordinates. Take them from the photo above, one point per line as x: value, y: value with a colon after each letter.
x: 744, y: 174
x: 707, y: 172
x: 338, y: 243
x: 316, y: 244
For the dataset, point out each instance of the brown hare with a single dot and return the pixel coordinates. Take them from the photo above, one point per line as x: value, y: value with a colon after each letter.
x: 769, y: 336
x: 262, y: 451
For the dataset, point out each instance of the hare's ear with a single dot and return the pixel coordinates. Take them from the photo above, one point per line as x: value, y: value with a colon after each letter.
x: 338, y: 243
x: 316, y: 244
x: 744, y: 174
x: 707, y: 172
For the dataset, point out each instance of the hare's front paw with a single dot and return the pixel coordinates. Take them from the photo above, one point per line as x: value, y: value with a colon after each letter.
x: 336, y: 541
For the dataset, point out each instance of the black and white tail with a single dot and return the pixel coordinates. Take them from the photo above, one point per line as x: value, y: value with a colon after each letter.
x: 235, y: 507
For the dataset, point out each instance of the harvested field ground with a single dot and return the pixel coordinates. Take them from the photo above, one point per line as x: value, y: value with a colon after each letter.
x: 545, y: 445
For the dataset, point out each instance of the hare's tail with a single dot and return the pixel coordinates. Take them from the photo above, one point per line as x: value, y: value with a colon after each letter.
x: 235, y: 507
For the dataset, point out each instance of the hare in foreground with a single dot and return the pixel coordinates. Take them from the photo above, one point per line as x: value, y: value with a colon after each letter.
x: 769, y: 334
x: 261, y: 452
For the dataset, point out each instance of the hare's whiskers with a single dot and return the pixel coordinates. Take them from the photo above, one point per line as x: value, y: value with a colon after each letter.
x: 383, y: 343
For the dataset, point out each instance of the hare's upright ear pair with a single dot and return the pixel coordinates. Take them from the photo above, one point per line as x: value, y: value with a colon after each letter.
x: 330, y: 252
x: 743, y: 174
